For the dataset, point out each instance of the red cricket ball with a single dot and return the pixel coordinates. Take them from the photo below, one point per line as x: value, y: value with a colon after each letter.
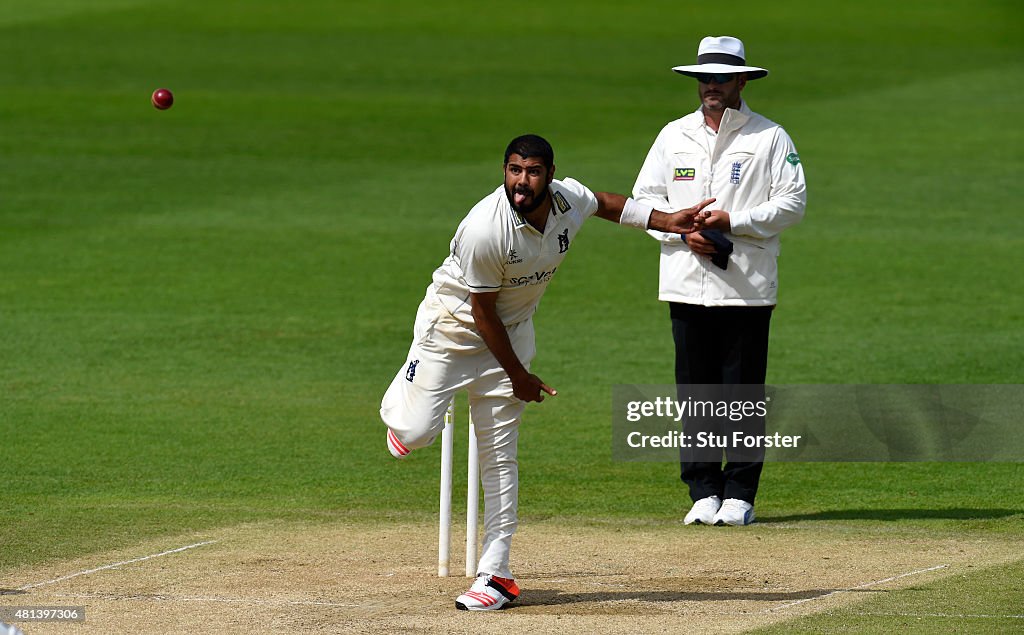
x: 162, y: 99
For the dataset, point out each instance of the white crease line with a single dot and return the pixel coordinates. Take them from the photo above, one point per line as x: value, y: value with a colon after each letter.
x: 114, y: 565
x: 955, y: 615
x: 856, y: 588
x: 172, y: 598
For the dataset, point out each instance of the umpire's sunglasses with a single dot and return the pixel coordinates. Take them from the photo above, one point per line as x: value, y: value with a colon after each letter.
x: 715, y: 78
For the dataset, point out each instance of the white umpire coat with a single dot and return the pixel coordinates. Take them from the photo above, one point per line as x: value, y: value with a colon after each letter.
x: 754, y: 172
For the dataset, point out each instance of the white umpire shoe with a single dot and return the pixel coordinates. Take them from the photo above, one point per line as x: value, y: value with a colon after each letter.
x: 703, y: 511
x: 735, y: 512
x: 395, y: 446
x: 488, y: 593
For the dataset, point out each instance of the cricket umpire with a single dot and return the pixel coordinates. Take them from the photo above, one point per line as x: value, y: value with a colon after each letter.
x: 721, y: 283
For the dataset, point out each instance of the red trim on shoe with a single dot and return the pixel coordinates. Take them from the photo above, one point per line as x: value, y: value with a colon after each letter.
x: 482, y: 598
x: 506, y: 586
x: 396, y: 444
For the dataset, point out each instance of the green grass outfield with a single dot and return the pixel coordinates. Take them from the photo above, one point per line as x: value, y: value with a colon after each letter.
x: 200, y: 308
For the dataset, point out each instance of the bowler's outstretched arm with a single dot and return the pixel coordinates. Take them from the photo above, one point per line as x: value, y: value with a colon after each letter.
x: 610, y: 207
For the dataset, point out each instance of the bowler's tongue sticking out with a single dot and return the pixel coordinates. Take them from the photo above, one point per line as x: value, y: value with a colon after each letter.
x: 519, y: 198
x: 524, y: 200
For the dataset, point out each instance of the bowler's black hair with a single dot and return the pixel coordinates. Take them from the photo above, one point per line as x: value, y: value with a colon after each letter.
x: 531, y: 146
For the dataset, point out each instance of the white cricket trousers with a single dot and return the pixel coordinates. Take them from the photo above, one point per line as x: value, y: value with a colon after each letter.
x: 448, y: 355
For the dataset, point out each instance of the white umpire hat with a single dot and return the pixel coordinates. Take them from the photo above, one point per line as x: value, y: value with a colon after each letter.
x: 721, y: 54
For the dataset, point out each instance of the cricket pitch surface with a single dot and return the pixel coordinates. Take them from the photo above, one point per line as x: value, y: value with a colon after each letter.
x: 609, y: 577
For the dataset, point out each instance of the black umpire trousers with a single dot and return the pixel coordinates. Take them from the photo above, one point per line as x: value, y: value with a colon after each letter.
x: 720, y: 345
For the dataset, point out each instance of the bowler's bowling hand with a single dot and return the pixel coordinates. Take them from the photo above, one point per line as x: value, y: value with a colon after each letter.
x: 530, y: 387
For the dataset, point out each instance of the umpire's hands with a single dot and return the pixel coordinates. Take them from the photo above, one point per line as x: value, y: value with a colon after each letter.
x: 700, y: 245
x: 707, y: 219
x: 713, y: 219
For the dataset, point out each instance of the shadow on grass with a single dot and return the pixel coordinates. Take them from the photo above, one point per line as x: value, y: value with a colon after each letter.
x: 956, y: 513
x: 550, y: 597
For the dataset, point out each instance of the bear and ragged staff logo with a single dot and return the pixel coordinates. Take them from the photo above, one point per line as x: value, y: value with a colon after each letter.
x: 563, y: 241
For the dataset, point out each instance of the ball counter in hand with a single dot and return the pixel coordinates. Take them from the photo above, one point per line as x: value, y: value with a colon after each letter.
x: 162, y: 99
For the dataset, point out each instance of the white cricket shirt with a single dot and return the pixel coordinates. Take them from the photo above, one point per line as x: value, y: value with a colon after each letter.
x: 753, y: 170
x: 495, y: 249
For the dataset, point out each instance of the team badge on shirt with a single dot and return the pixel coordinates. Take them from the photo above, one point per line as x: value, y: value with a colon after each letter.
x: 410, y: 372
x: 684, y: 174
x: 734, y: 175
x: 563, y: 205
x: 563, y: 241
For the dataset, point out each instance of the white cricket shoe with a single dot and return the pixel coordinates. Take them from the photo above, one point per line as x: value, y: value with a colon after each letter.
x: 703, y: 511
x: 488, y: 593
x: 735, y: 512
x: 395, y: 446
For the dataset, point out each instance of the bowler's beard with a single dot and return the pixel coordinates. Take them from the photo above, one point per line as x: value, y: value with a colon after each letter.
x: 534, y: 203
